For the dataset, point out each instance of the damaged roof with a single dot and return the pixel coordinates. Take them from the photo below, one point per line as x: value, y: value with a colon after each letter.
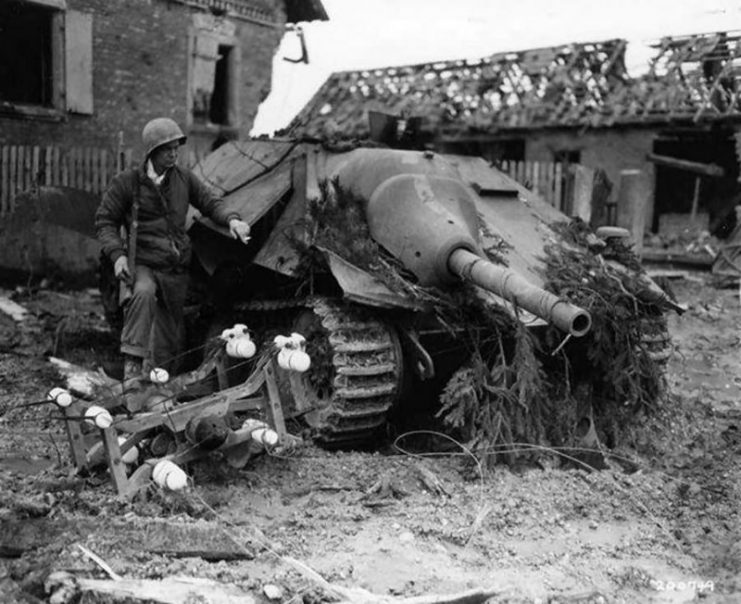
x: 695, y: 77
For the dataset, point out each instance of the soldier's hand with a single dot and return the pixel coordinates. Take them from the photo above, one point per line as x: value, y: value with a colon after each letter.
x: 121, y: 269
x: 239, y: 230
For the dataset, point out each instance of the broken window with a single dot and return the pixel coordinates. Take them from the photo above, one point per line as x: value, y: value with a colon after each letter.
x: 45, y: 56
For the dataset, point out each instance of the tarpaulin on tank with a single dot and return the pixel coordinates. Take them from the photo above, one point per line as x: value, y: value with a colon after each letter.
x: 237, y: 163
x: 252, y: 176
x: 253, y: 200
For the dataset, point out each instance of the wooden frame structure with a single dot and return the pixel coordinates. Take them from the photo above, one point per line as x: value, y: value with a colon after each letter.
x: 90, y: 446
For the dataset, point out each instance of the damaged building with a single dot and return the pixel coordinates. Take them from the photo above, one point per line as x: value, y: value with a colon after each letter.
x: 84, y: 72
x: 676, y: 127
x: 79, y: 79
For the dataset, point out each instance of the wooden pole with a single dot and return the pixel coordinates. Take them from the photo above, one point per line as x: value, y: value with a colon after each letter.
x: 695, y: 200
x: 683, y: 164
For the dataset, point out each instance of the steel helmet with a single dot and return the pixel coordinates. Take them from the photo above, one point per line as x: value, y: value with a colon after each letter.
x: 161, y: 131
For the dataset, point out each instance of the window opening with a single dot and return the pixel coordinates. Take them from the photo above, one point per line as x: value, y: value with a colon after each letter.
x: 26, y: 68
x: 219, y: 106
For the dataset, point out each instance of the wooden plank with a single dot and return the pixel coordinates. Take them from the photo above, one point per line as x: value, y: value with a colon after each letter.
x: 27, y: 168
x: 13, y: 175
x: 81, y: 176
x: 116, y: 466
x: 548, y: 183
x: 22, y: 171
x: 36, y: 165
x: 275, y: 408
x: 64, y: 159
x: 695, y: 200
x: 92, y: 172
x: 164, y: 537
x: 96, y: 154
x: 56, y: 161
x: 4, y: 184
x: 104, y: 171
x: 557, y: 187
x: 536, y: 177
x: 74, y: 175
x: 528, y: 182
x: 48, y: 151
x: 166, y: 591
x: 77, y: 161
x: 87, y: 171
x: 18, y: 184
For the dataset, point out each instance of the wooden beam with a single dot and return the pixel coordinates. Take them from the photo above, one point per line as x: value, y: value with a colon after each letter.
x: 683, y: 164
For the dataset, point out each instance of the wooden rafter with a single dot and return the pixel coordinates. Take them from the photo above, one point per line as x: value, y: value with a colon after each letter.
x: 573, y: 85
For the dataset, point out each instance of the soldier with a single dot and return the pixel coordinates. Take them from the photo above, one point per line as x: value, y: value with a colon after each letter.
x: 151, y: 202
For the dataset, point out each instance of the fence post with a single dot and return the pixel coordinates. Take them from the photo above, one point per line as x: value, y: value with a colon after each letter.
x: 631, y: 206
x: 47, y: 165
x: 583, y: 186
x: 4, y: 181
x: 558, y: 187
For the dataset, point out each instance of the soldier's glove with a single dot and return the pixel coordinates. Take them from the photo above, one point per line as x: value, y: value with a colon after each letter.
x: 121, y: 269
x: 239, y: 229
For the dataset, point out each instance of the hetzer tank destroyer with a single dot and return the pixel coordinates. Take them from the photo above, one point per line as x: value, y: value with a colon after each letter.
x: 373, y: 253
x: 422, y: 282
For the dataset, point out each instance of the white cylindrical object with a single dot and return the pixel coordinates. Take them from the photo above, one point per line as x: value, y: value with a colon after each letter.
x: 98, y: 416
x: 299, y: 341
x: 261, y: 433
x: 169, y: 476
x: 240, y: 329
x: 132, y: 455
x: 158, y: 375
x: 294, y: 360
x: 281, y: 341
x: 241, y: 348
x: 60, y: 396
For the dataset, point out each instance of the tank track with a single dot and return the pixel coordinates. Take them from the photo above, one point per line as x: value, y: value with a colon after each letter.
x: 363, y: 359
x: 656, y: 341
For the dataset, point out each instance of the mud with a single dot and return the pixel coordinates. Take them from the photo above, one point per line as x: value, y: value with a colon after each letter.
x: 660, y: 524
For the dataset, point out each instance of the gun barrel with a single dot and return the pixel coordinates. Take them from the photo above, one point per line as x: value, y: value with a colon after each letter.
x: 511, y: 286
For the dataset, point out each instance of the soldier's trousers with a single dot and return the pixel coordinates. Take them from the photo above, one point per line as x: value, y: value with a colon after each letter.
x: 153, y: 326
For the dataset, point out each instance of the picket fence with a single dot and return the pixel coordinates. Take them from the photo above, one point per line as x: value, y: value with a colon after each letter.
x: 553, y: 181
x: 22, y: 168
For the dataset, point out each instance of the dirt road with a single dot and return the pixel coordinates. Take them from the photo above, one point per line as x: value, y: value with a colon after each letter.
x: 661, y: 524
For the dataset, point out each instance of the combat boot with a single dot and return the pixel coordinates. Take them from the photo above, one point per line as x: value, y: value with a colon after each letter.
x: 132, y: 368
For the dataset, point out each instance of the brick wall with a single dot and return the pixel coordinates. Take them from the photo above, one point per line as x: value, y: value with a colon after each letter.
x: 140, y: 71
